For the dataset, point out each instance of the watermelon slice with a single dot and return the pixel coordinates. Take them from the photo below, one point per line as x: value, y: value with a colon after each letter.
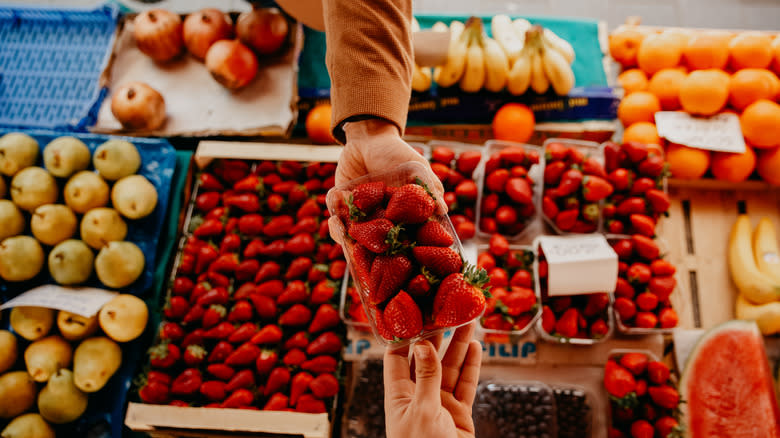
x: 727, y: 385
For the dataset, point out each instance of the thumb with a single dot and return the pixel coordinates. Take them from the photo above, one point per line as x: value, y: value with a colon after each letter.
x: 427, y: 372
x: 336, y: 229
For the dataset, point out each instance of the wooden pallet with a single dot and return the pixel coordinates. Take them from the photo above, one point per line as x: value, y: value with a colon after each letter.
x: 696, y: 235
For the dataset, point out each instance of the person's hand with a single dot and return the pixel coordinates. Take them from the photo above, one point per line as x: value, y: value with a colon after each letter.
x: 433, y: 399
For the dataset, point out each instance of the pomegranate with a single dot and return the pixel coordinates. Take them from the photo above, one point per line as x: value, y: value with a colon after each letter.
x: 138, y: 106
x: 263, y: 29
x: 204, y: 28
x: 231, y: 63
x: 158, y: 34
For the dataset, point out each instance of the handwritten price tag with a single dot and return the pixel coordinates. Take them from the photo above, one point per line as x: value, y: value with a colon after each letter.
x: 84, y: 301
x: 721, y: 133
x: 579, y: 264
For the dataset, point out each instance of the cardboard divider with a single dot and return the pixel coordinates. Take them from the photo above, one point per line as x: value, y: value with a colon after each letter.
x: 209, y: 150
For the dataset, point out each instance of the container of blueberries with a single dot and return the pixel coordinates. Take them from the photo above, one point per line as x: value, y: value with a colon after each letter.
x: 364, y: 415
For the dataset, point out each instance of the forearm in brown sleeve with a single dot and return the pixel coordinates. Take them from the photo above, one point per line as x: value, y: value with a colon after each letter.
x: 369, y: 59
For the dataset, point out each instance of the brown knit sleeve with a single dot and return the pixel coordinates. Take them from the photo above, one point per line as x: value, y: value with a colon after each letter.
x: 369, y: 59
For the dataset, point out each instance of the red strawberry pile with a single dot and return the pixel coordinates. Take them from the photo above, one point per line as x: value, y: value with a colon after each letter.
x: 636, y: 171
x: 583, y: 316
x: 250, y: 321
x: 644, y: 284
x: 507, y: 194
x: 404, y: 262
x: 643, y: 399
x: 456, y: 173
x: 574, y: 184
x: 513, y: 303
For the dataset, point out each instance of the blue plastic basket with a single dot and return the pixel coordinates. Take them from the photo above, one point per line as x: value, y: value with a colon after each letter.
x: 51, y: 60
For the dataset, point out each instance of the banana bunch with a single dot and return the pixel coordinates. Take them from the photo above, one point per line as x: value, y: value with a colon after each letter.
x: 474, y: 60
x: 755, y: 268
x: 539, y: 58
x: 421, y: 76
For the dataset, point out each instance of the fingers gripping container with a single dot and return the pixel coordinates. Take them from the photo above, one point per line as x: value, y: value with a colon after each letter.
x: 338, y: 199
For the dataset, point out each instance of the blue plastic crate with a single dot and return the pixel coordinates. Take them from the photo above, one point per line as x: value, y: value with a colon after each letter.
x: 51, y: 60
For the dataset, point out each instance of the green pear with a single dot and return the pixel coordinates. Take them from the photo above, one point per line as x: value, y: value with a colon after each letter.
x: 17, y: 393
x: 116, y: 159
x: 95, y: 361
x: 46, y: 356
x: 21, y: 258
x: 75, y: 327
x: 32, y: 323
x: 11, y: 219
x: 8, y: 350
x: 119, y: 264
x: 102, y: 225
x: 17, y: 151
x: 28, y: 426
x: 134, y: 196
x: 60, y: 401
x: 70, y: 262
x: 33, y: 187
x: 53, y: 223
x: 65, y: 156
x: 86, y: 190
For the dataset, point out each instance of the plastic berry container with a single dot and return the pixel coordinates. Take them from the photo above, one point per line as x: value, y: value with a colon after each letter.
x: 515, y: 408
x: 526, y: 215
x: 376, y: 301
x: 347, y: 305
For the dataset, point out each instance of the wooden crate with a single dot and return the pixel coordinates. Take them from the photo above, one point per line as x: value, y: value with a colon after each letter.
x: 696, y: 234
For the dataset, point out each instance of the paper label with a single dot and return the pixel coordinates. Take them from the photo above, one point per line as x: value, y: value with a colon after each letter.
x: 579, y: 264
x: 84, y: 301
x: 721, y: 132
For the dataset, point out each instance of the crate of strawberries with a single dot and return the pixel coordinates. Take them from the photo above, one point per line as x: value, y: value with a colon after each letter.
x: 643, y: 293
x: 575, y: 186
x: 456, y: 165
x: 405, y: 256
x: 643, y: 396
x: 513, y: 307
x: 582, y: 319
x: 509, y: 189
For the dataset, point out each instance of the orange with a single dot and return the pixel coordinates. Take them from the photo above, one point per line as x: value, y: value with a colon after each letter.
x: 641, y: 132
x: 733, y: 167
x: 751, y: 84
x: 639, y: 106
x: 750, y: 50
x: 666, y: 86
x: 704, y: 92
x: 624, y: 43
x: 318, y: 124
x: 659, y: 51
x: 761, y: 123
x: 707, y: 49
x: 776, y: 55
x: 632, y: 80
x: 769, y: 165
x: 687, y: 163
x: 514, y: 122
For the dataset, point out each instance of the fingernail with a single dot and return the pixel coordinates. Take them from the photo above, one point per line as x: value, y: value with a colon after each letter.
x: 421, y: 352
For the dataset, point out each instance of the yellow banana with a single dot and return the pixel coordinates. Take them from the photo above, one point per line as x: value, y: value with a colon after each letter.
x: 559, y: 44
x: 510, y: 41
x: 440, y: 27
x: 421, y: 76
x: 539, y: 81
x: 451, y: 72
x: 520, y: 75
x: 765, y: 249
x: 474, y: 75
x: 754, y: 285
x: 521, y: 26
x: 766, y: 316
x: 496, y: 66
x: 556, y: 68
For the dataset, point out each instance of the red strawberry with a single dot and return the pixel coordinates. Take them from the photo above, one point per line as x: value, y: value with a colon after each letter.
x: 337, y: 269
x: 320, y: 365
x: 388, y: 274
x: 241, y: 311
x: 519, y: 301
x: 310, y: 405
x: 548, y: 319
x: 646, y: 301
x: 624, y: 289
x: 271, y: 288
x: 596, y: 304
x: 662, y: 267
x: 298, y: 340
x: 662, y: 286
x: 418, y: 286
x: 324, y: 386
x: 442, y: 154
x: 221, y: 371
x: 646, y: 320
x: 277, y: 380
x: 664, y: 426
x: 322, y: 292
x: 664, y: 396
x: 171, y: 331
x: 410, y: 203
x: 244, y: 355
x: 240, y: 398
x: 209, y: 228
x: 567, y: 219
x: 213, y: 316
x: 468, y: 161
x: 300, y: 244
x: 209, y: 182
x: 264, y: 306
x: 294, y: 357
x: 243, y: 333
x: 642, y: 429
x: 658, y: 200
x: 658, y: 372
x: 299, y: 385
x: 519, y: 190
x: 195, y: 337
x: 325, y: 317
x: 326, y: 343
x: 641, y: 186
x: 498, y: 245
x: 194, y: 355
x: 310, y: 208
x: 434, y: 234
x: 187, y: 383
x: 270, y: 334
x: 402, y: 317
x: 266, y: 361
x: 278, y: 402
x: 634, y: 362
x: 366, y: 197
x: 242, y: 379
x: 441, y: 261
x: 643, y: 224
x: 466, y: 190
x: 278, y: 226
x: 373, y: 234
x: 213, y: 390
x: 298, y: 268
x: 631, y: 206
x: 294, y: 293
x: 625, y: 308
x: 154, y: 393
x: 164, y: 355
x: 639, y: 273
x: 595, y: 188
x: 460, y: 298
x: 295, y: 316
x: 598, y: 329
x: 653, y: 167
x: 568, y: 324
x: 668, y: 318
x: 618, y: 381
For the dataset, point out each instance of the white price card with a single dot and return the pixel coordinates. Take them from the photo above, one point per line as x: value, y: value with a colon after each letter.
x: 84, y: 301
x: 720, y: 133
x: 579, y: 264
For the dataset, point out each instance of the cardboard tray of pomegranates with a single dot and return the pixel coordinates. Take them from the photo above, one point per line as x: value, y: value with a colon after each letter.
x: 158, y: 159
x: 51, y: 60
